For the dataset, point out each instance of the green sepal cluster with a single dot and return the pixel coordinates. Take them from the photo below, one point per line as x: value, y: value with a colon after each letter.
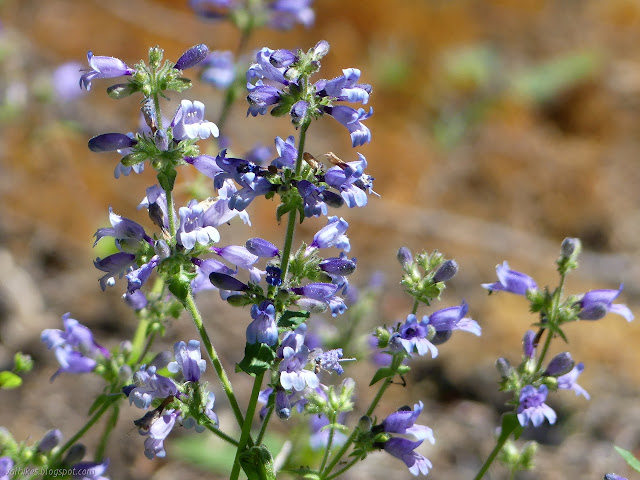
x: 418, y: 279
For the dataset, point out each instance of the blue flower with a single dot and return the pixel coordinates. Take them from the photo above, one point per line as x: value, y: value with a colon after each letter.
x: 188, y: 360
x: 6, y: 464
x: 136, y: 278
x: 50, y: 440
x: 404, y: 450
x: 293, y: 374
x: 127, y: 233
x: 149, y: 385
x: 287, y: 151
x: 527, y: 344
x: 331, y: 235
x: 156, y: 202
x: 312, y: 198
x: 189, y: 123
x: 111, y: 142
x: 103, y: 67
x: 413, y: 335
x: 595, y: 304
x: 532, y: 407
x: 351, y: 181
x: 262, y: 248
x: 453, y: 318
x: 568, y: 381
x: 195, y: 227
x: 212, y: 9
x: 75, y: 348
x: 157, y: 433
x: 511, y: 281
x: 192, y: 57
x: 352, y: 119
x: 263, y: 329
x: 403, y: 422
x: 345, y: 88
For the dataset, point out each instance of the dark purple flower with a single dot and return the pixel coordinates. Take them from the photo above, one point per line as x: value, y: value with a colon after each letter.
x: 192, y: 57
x: 110, y: 142
x: 532, y: 407
x: 136, y: 278
x: 218, y: 69
x: 559, y: 365
x: 446, y: 271
x: 263, y: 328
x: 116, y: 264
x: 595, y: 304
x: 156, y: 203
x: 274, y: 275
x: 613, y: 476
x: 338, y: 266
x: 511, y: 281
x: 227, y: 282
x: 404, y: 450
x: 299, y: 112
x: 262, y: 248
x: 568, y: 381
x: 260, y: 97
x: 103, y: 67
x: 188, y: 361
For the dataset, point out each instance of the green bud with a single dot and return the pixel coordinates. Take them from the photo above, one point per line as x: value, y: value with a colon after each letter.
x: 22, y: 362
x: 383, y: 336
x: 281, y: 109
x: 239, y: 300
x: 527, y: 455
x: 39, y: 459
x: 155, y: 56
x: 133, y: 159
x: 364, y: 424
x: 120, y: 90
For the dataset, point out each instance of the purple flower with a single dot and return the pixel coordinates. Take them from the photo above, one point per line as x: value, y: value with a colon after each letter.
x: 292, y: 371
x: 194, y: 227
x: 157, y: 433
x: 188, y: 360
x: 413, y: 335
x: 204, y: 268
x: 136, y: 300
x: 446, y: 271
x: 313, y: 199
x: 149, y: 385
x: 227, y: 282
x: 613, y: 476
x: 511, y: 281
x: 320, y: 433
x: 115, y: 265
x: 351, y: 181
x: 218, y: 69
x: 50, y: 440
x: 284, y: 14
x: 127, y: 233
x: 352, y: 119
x: 448, y: 319
x: 532, y: 407
x: 103, y: 67
x: 559, y: 365
x: 74, y: 347
x: 156, y: 203
x: 237, y: 255
x: 263, y: 329
x: 192, y: 57
x: 568, y: 381
x: 331, y: 235
x: 323, y: 293
x: 6, y: 464
x: 403, y: 421
x: 136, y: 278
x: 595, y: 304
x: 330, y: 360
x: 299, y: 112
x: 262, y: 248
x: 287, y: 151
x: 189, y: 122
x: 404, y: 450
x: 110, y: 142
x: 90, y: 470
x: 260, y: 97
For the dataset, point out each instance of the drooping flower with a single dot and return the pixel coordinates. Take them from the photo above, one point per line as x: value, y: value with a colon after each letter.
x: 352, y: 119
x: 111, y: 142
x: 263, y: 328
x: 127, y: 233
x: 403, y: 422
x: 149, y: 385
x: 532, y: 407
x: 103, y: 67
x: 568, y: 381
x: 405, y: 450
x: 188, y: 122
x: 511, y: 281
x: 453, y: 318
x: 262, y: 248
x: 595, y: 304
x: 188, y: 360
x: 75, y: 348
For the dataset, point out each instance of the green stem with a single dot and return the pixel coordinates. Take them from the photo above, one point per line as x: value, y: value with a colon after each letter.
x: 222, y: 435
x: 246, y: 427
x: 397, y: 361
x: 291, y: 224
x: 553, y: 320
x: 416, y: 304
x: 192, y: 308
x: 88, y: 425
x: 325, y: 457
x: 171, y: 213
x: 504, y: 436
x: 108, y: 429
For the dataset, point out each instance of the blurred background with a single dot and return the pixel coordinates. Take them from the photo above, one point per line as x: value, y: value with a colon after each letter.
x: 500, y: 128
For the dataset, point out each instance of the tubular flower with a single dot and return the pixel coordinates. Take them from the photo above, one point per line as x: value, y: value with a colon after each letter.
x: 595, y: 304
x: 189, y: 123
x: 532, y: 407
x: 188, y: 361
x: 511, y: 281
x: 103, y: 67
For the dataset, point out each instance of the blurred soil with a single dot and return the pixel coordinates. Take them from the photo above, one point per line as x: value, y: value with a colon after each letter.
x: 500, y: 128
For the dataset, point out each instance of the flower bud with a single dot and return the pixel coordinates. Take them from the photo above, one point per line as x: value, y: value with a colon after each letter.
x: 320, y: 49
x: 192, y: 57
x: 559, y: 365
x: 595, y: 311
x: 227, y: 282
x: 120, y: 90
x: 446, y: 271
x: 404, y: 257
x: 50, y: 440
x: 504, y: 367
x: 364, y: 424
x: 74, y: 454
x: 571, y: 247
x: 262, y: 248
x: 338, y: 266
x: 110, y: 142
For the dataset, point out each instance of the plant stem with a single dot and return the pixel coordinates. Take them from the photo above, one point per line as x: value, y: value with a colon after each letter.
x: 325, y: 457
x: 246, y: 427
x: 553, y: 320
x: 192, y: 308
x: 111, y: 423
x: 171, y: 213
x: 494, y: 453
x: 221, y: 435
x: 263, y: 428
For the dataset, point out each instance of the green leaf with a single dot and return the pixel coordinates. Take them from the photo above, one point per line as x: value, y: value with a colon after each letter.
x: 510, y: 424
x: 167, y: 178
x: 258, y: 358
x: 292, y: 318
x: 383, y: 372
x: 257, y: 463
x: 9, y: 380
x: 629, y: 458
x: 180, y: 286
x: 282, y: 210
